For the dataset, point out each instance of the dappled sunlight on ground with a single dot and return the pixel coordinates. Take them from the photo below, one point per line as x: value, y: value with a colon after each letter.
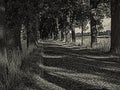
x: 90, y: 79
x: 58, y: 67
x: 54, y: 69
x: 89, y: 63
x: 102, y: 57
x: 96, y: 81
x: 51, y: 56
x: 45, y: 85
x: 112, y: 68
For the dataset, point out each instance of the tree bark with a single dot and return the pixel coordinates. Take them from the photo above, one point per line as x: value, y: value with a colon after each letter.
x: 82, y: 32
x: 93, y: 5
x: 37, y: 28
x: 93, y: 31
x: 17, y: 36
x: 53, y: 35
x: 2, y: 31
x: 73, y: 34
x: 66, y: 38
x: 3, y: 58
x: 57, y: 29
x: 28, y: 35
x: 62, y: 35
x: 115, y: 26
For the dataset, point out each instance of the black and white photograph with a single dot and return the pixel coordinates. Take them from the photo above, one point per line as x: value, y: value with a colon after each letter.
x: 59, y: 44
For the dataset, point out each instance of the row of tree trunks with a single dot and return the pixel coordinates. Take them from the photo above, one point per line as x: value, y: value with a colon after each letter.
x: 10, y: 42
x: 57, y: 34
x: 71, y: 25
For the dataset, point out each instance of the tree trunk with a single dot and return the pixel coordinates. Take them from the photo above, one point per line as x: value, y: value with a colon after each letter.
x: 59, y: 35
x: 73, y: 34
x: 37, y: 28
x: 34, y: 31
x: 66, y: 39
x: 115, y: 26
x: 53, y: 35
x: 93, y: 31
x: 28, y: 35
x: 40, y: 31
x: 82, y: 34
x: 10, y: 58
x: 17, y: 36
x: 93, y: 5
x: 2, y: 31
x: 62, y: 35
x: 3, y: 58
x: 56, y: 29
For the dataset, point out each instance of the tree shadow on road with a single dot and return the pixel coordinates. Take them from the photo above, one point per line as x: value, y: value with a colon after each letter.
x: 84, y: 61
x: 74, y: 69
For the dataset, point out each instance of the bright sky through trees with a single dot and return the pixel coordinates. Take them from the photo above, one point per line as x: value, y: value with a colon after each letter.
x: 106, y: 24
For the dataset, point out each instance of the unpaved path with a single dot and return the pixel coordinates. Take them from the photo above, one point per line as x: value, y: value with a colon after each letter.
x: 57, y: 67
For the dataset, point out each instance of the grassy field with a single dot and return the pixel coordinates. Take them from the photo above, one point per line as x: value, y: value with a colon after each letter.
x: 102, y: 43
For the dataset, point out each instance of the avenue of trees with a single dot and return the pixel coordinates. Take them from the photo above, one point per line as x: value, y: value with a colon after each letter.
x: 55, y: 19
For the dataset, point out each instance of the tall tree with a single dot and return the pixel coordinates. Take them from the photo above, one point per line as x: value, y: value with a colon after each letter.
x: 2, y: 29
x: 115, y: 27
x: 82, y: 17
x: 93, y: 5
x: 99, y: 10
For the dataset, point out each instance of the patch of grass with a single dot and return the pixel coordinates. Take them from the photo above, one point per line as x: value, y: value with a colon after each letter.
x: 11, y: 77
x: 103, y: 44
